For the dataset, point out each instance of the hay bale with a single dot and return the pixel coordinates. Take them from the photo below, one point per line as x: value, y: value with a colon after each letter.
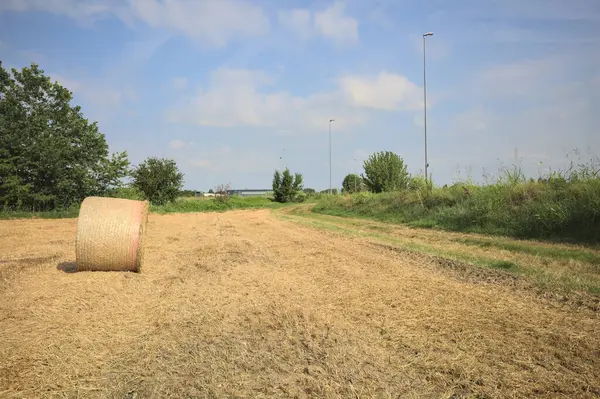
x: 110, y: 234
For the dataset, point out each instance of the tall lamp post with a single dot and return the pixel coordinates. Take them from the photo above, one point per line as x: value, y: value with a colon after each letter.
x: 425, y: 99
x: 356, y: 175
x: 330, y: 190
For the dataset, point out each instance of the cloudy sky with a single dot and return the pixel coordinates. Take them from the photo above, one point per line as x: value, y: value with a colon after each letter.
x: 228, y: 87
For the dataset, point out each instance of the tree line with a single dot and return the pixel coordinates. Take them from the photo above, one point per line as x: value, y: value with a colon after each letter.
x: 384, y: 171
x: 52, y: 157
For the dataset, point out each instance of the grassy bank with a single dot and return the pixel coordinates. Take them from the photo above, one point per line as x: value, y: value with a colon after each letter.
x: 181, y: 205
x: 191, y: 204
x: 24, y: 214
x: 550, y: 209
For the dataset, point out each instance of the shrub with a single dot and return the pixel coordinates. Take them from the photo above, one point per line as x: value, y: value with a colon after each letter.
x: 159, y: 180
x: 285, y: 186
x: 385, y: 171
x: 222, y: 192
x: 352, y: 183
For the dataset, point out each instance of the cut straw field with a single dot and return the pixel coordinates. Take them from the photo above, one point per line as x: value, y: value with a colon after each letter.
x: 251, y: 304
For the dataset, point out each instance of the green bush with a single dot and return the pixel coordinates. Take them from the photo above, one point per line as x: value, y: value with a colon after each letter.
x: 158, y: 179
x: 287, y: 188
x: 352, y: 183
x: 385, y: 171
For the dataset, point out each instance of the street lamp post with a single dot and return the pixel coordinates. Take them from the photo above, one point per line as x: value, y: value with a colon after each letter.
x: 330, y: 189
x: 425, y: 99
x: 355, y: 176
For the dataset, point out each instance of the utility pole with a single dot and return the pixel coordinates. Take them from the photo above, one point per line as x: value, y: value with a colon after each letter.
x: 330, y: 187
x: 425, y: 99
x: 355, y: 175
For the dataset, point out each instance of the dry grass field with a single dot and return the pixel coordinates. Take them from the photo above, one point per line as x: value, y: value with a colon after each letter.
x: 254, y: 304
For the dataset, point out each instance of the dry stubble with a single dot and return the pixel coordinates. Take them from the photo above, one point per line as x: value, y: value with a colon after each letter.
x: 242, y: 304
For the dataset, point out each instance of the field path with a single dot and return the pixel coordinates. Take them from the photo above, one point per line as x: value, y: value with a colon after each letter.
x: 246, y: 305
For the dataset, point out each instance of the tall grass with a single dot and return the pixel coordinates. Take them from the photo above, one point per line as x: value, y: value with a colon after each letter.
x: 190, y: 204
x: 562, y: 205
x: 181, y: 205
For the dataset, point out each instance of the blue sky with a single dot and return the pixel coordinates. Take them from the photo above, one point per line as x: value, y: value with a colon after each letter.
x: 228, y: 87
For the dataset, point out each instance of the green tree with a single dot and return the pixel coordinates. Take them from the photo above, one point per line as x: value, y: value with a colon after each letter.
x: 309, y: 191
x: 385, y: 171
x: 50, y: 155
x: 285, y: 186
x: 352, y: 183
x: 158, y: 179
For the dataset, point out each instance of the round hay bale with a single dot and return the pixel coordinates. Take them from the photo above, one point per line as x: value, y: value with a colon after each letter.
x: 110, y: 234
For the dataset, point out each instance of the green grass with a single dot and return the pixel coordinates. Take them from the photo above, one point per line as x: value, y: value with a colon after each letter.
x: 410, y: 246
x: 181, y: 205
x: 554, y: 210
x: 504, y: 264
x: 533, y: 270
x: 581, y: 255
x: 58, y: 214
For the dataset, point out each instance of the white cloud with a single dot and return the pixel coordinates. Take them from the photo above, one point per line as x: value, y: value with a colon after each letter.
x: 523, y: 78
x: 473, y: 121
x: 95, y: 93
x: 557, y: 116
x: 237, y: 97
x: 386, y: 91
x: 85, y: 12
x: 99, y: 99
x: 178, y: 144
x: 334, y: 24
x: 299, y: 21
x: 234, y: 98
x: 541, y: 10
x: 201, y: 163
x: 179, y: 83
x: 222, y: 161
x: 331, y: 23
x: 214, y: 22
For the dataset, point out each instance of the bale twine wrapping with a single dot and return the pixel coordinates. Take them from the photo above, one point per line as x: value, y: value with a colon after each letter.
x: 110, y: 234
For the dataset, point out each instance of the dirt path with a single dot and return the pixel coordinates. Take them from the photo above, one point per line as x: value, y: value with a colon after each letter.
x: 243, y: 304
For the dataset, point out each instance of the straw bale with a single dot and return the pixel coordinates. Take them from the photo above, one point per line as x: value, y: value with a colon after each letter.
x: 110, y: 234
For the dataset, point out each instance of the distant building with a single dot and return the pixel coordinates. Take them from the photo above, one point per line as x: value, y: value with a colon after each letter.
x: 250, y: 192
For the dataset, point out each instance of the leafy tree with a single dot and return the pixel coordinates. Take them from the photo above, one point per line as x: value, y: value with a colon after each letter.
x: 211, y: 191
x: 285, y: 186
x: 309, y: 191
x: 352, y: 183
x: 50, y: 155
x: 385, y: 171
x: 158, y: 179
